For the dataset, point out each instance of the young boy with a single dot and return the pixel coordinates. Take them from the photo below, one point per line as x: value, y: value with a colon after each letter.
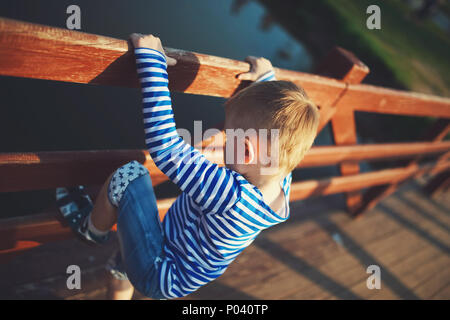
x: 221, y: 210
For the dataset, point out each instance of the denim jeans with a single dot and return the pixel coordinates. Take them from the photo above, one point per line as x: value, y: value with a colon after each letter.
x: 141, y: 236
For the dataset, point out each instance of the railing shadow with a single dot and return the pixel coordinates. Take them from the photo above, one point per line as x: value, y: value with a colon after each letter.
x: 218, y: 290
x: 122, y: 72
x: 366, y: 259
x: 414, y: 228
x: 303, y: 268
x: 436, y: 204
x: 420, y: 210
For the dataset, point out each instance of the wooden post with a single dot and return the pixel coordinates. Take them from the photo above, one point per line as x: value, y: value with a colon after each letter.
x: 345, y: 66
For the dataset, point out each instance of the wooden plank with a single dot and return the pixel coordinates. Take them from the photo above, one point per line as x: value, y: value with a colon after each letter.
x: 45, y: 170
x: 344, y: 133
x: 345, y: 66
x: 380, y: 250
x: 45, y: 227
x: 302, y: 190
x: 42, y: 52
x: 435, y: 133
x: 22, y: 233
x: 330, y: 155
x: 436, y: 281
x: 25, y: 171
x: 370, y: 98
x: 443, y: 293
x: 342, y: 65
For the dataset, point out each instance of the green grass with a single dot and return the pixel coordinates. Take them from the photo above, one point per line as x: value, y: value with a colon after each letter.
x: 417, y: 53
x: 405, y: 54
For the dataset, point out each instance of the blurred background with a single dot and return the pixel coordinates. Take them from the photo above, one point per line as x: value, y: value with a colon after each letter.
x: 410, y: 52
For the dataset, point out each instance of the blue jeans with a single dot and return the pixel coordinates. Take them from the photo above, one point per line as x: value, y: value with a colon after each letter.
x: 141, y: 236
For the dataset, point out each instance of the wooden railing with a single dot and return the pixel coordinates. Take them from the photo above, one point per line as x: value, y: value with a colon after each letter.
x: 41, y: 52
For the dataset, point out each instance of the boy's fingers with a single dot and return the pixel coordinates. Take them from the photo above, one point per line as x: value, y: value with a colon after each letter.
x: 134, y: 37
x: 171, y: 61
x: 251, y: 59
x: 246, y: 76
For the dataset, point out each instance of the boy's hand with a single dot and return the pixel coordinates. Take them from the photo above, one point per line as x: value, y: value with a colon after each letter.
x: 151, y: 42
x: 258, y: 67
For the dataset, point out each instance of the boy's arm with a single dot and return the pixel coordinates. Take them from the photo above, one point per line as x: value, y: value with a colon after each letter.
x: 212, y: 187
x: 268, y: 76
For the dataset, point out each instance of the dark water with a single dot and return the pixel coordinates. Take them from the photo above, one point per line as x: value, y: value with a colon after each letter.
x: 38, y: 115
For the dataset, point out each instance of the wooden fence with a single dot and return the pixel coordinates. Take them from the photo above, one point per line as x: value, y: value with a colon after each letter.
x: 42, y: 52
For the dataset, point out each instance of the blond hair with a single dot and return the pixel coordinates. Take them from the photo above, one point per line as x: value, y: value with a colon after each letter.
x: 277, y: 105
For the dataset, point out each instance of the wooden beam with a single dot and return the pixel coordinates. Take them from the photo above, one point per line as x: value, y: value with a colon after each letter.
x: 44, y: 170
x: 344, y: 133
x: 23, y: 233
x: 302, y: 190
x: 369, y: 98
x: 26, y: 171
x: 332, y: 155
x: 344, y: 65
x: 36, y: 51
x: 372, y: 196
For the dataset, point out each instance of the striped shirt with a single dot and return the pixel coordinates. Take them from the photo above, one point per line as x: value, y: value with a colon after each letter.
x: 218, y: 214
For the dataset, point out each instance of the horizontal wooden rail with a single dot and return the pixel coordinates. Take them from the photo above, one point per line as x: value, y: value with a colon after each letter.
x: 332, y: 155
x: 18, y: 234
x: 302, y: 190
x: 25, y: 171
x: 42, y: 52
x: 367, y: 98
x: 22, y: 233
x: 72, y: 56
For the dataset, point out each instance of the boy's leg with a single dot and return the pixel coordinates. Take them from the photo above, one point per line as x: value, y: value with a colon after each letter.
x: 103, y: 217
x: 140, y: 233
x: 118, y: 286
x: 104, y: 214
x: 118, y: 289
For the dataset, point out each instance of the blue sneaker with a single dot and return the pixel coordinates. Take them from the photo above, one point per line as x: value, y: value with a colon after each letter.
x: 75, y: 205
x: 116, y: 267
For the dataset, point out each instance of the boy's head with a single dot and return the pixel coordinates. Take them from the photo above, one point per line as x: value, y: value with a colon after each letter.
x: 279, y: 123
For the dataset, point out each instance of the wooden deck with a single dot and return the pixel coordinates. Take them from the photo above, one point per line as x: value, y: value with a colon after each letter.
x: 320, y: 253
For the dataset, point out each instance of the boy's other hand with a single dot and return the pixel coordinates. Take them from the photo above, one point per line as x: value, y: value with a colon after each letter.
x: 150, y: 41
x: 258, y: 67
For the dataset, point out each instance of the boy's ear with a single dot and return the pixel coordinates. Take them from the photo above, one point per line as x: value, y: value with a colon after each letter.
x: 249, y: 151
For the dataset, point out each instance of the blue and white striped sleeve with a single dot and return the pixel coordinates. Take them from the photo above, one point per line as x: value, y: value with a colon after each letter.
x: 212, y: 187
x: 268, y: 76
